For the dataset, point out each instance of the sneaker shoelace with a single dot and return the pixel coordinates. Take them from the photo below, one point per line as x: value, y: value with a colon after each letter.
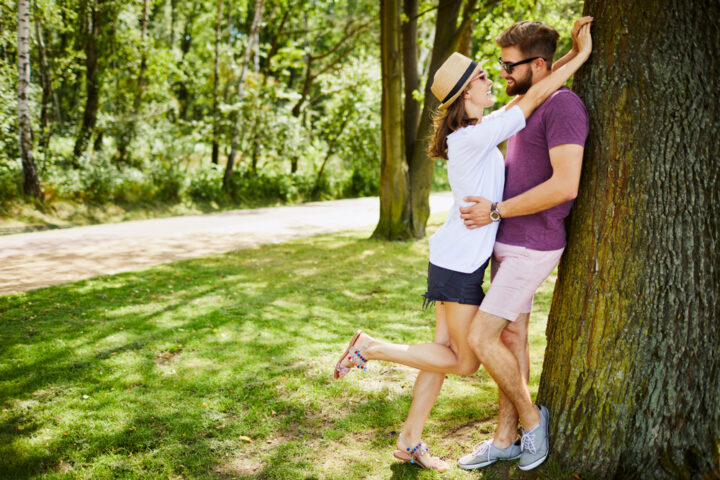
x: 528, y: 443
x: 482, y: 448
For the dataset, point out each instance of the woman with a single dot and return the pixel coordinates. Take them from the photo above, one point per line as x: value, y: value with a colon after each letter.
x: 458, y: 256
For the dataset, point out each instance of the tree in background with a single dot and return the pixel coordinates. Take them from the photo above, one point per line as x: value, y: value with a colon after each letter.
x: 92, y: 24
x: 632, y: 365
x: 31, y: 183
x: 132, y: 101
x: 407, y: 173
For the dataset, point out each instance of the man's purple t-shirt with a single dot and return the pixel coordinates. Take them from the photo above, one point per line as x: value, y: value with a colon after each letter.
x: 561, y: 119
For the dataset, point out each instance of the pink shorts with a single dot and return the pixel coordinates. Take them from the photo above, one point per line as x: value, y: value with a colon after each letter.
x: 516, y: 273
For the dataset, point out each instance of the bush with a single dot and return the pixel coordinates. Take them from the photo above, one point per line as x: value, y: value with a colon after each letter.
x: 10, y: 181
x: 362, y: 183
x: 205, y: 184
x: 168, y: 180
x: 99, y: 179
x: 132, y: 186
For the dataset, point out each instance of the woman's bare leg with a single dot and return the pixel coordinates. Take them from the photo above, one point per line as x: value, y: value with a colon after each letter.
x: 427, y: 384
x: 458, y: 358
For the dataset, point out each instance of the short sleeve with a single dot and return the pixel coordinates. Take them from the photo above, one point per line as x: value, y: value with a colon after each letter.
x: 494, y: 113
x: 566, y: 120
x: 498, y: 128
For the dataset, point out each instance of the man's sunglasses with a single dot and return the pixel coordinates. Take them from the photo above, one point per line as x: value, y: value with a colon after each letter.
x: 508, y: 67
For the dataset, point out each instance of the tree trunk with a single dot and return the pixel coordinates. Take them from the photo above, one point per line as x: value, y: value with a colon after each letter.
x: 410, y: 74
x: 127, y: 136
x: 92, y: 85
x: 31, y: 183
x: 216, y: 82
x: 331, y: 149
x: 394, y: 223
x: 49, y: 99
x: 632, y: 365
x: 448, y: 35
x: 252, y: 39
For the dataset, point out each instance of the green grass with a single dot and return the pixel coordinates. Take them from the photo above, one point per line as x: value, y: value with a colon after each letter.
x: 221, y: 368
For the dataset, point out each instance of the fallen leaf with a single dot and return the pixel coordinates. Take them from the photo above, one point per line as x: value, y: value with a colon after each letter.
x: 245, y: 439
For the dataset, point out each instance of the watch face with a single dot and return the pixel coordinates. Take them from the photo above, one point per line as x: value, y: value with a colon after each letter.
x: 494, y: 216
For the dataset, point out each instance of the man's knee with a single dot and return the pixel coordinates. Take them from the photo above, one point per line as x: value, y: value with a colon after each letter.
x: 514, y: 339
x: 485, y: 330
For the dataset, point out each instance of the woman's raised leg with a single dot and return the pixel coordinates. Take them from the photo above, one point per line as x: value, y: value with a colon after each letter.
x: 457, y: 358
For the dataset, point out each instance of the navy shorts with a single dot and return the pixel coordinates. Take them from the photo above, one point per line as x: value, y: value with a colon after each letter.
x: 445, y: 285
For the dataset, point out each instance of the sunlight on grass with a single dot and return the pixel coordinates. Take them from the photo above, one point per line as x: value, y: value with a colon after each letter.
x: 221, y: 368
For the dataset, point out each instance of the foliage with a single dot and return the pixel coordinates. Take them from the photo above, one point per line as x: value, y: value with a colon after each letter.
x: 310, y: 111
x: 220, y: 367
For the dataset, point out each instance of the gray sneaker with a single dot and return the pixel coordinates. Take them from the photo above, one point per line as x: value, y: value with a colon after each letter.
x: 535, y: 443
x: 485, y: 453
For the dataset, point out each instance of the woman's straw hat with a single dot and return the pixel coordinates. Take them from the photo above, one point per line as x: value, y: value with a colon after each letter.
x: 452, y: 77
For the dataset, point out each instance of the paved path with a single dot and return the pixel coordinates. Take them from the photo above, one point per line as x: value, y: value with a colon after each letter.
x: 41, y: 259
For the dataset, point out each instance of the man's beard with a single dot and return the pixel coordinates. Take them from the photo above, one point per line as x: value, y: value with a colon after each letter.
x: 521, y: 85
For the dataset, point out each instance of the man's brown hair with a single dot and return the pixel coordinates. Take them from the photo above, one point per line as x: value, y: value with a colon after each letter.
x: 533, y: 39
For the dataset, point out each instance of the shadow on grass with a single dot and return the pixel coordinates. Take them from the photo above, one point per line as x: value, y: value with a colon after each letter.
x: 221, y: 368
x: 82, y: 389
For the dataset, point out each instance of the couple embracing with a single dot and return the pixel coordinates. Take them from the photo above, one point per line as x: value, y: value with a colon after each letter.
x: 510, y: 209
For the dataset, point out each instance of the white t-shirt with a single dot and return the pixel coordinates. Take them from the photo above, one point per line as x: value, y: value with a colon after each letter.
x: 475, y: 167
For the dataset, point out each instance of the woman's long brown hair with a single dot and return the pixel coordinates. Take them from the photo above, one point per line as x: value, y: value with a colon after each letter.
x: 447, y: 121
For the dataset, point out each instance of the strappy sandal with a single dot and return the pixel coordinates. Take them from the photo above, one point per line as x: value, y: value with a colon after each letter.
x: 413, y: 455
x: 353, y: 355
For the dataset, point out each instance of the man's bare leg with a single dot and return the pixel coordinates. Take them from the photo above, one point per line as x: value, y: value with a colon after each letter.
x: 502, y: 365
x: 515, y: 338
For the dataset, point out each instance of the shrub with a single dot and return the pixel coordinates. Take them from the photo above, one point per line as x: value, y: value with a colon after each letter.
x: 168, y: 180
x: 205, y: 184
x: 10, y: 181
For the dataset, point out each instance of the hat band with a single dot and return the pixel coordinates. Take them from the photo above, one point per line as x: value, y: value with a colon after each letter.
x: 461, y: 82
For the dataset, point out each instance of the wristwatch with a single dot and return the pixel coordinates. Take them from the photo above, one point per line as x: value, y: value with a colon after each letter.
x: 495, y: 213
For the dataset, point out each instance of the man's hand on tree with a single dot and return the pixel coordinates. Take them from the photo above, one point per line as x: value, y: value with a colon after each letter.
x: 478, y: 214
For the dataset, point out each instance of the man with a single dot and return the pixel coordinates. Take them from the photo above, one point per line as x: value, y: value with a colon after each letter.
x: 542, y: 167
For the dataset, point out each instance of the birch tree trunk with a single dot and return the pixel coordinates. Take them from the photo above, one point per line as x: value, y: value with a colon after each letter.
x: 31, y: 183
x: 632, y: 366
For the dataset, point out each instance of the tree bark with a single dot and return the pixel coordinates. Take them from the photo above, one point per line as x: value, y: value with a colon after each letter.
x: 31, y: 183
x: 92, y: 86
x: 632, y: 365
x: 127, y: 136
x: 216, y: 83
x: 252, y: 40
x: 49, y: 100
x: 410, y: 74
x: 394, y: 223
x: 448, y: 35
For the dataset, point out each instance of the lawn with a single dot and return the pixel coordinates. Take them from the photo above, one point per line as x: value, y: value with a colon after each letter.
x: 221, y: 367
